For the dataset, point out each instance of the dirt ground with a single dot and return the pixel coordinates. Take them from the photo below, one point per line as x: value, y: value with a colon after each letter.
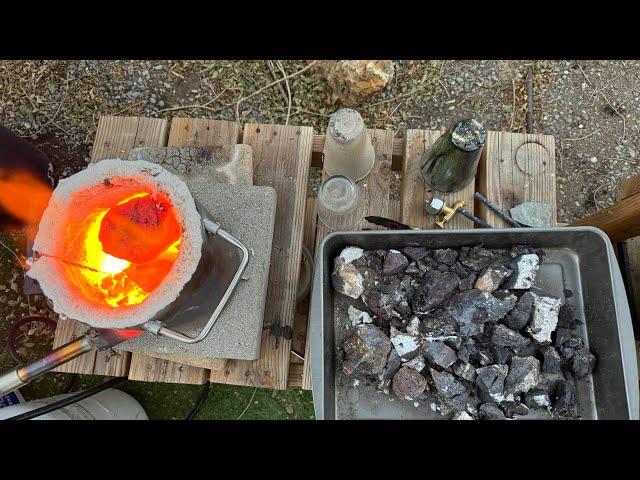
x: 590, y: 107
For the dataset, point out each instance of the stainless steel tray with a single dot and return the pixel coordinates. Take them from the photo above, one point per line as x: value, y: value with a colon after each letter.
x: 580, y: 259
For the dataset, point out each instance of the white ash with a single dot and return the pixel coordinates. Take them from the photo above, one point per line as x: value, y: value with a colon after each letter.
x: 525, y: 271
x: 545, y: 315
x: 358, y: 316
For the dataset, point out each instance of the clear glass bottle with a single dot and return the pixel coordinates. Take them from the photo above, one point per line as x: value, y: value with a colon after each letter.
x: 340, y: 203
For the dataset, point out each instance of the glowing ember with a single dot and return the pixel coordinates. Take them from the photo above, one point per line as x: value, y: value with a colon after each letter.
x: 127, y: 281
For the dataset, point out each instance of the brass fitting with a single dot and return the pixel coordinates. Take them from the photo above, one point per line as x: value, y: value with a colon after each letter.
x: 437, y: 206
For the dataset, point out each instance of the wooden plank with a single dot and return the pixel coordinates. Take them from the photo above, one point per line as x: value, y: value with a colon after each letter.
x: 115, y: 137
x: 376, y: 188
x: 318, y: 147
x: 186, y: 132
x: 282, y: 155
x: 150, y: 369
x: 414, y: 193
x: 620, y: 221
x: 516, y: 168
x: 394, y: 210
x: 202, y: 132
x: 629, y: 186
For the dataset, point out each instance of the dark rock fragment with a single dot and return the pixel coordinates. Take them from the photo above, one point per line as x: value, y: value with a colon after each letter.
x: 438, y: 323
x: 464, y: 370
x: 552, y: 363
x: 455, y: 342
x: 473, y: 308
x: 392, y: 366
x: 519, y: 250
x: 503, y: 336
x: 447, y: 384
x: 536, y: 398
x: 447, y: 256
x: 408, y: 384
x: 468, y: 350
x: 439, y: 353
x: 519, y: 316
x: 490, y: 382
x: 567, y: 317
x: 477, y: 258
x: 524, y: 374
x: 511, y: 409
x: 490, y: 411
x: 436, y: 287
x: 415, y: 253
x: 501, y: 355
x: 467, y: 282
x: 565, y: 403
x: 583, y: 363
x: 366, y: 350
x: 394, y: 262
x: 380, y: 304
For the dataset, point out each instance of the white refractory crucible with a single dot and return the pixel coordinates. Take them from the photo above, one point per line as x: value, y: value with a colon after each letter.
x: 86, y: 284
x: 348, y: 149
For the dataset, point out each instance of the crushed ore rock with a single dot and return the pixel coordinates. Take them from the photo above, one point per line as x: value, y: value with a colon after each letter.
x: 518, y: 318
x: 524, y: 374
x: 417, y: 363
x: 468, y: 350
x: 525, y: 271
x: 366, y: 351
x: 349, y: 254
x: 408, y: 384
x: 583, y: 363
x: 439, y: 353
x: 435, y: 288
x: 545, y: 315
x: 414, y: 325
x: 537, y: 398
x: 394, y: 262
x: 491, y: 278
x: 567, y: 317
x: 406, y: 345
x: 393, y: 364
x: 490, y: 411
x: 552, y: 362
x: 454, y: 342
x: 476, y: 258
x: 346, y: 279
x: 438, y: 323
x: 379, y: 303
x: 503, y: 336
x: 461, y: 416
x: 565, y: 403
x: 467, y: 283
x: 465, y: 370
x: 501, y: 355
x: 473, y: 308
x: 511, y: 409
x: 415, y: 253
x: 358, y: 316
x: 490, y: 381
x: 447, y: 384
x: 447, y: 256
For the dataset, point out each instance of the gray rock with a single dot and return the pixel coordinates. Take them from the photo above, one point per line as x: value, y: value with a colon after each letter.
x: 447, y: 384
x: 477, y: 258
x: 518, y: 318
x: 407, y: 345
x: 525, y: 271
x: 491, y: 278
x: 417, y: 363
x: 358, y: 316
x: 583, y: 363
x: 447, y: 256
x: 537, y: 398
x: 380, y: 304
x: 532, y: 214
x: 467, y: 350
x: 524, y: 374
x: 394, y: 262
x: 545, y: 315
x: 503, y: 336
x: 438, y: 323
x: 464, y: 370
x: 366, y: 351
x: 551, y: 363
x: 473, y: 308
x: 511, y: 409
x: 392, y: 366
x: 501, y: 355
x: 408, y: 384
x: 439, y: 353
x: 435, y: 288
x: 415, y: 253
x: 461, y: 416
x: 346, y: 279
x: 467, y: 283
x: 490, y: 382
x: 490, y: 411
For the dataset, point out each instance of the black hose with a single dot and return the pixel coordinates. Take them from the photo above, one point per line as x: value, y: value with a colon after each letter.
x: 69, y: 400
x: 204, y: 394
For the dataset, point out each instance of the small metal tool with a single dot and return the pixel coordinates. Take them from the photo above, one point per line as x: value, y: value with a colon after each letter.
x: 485, y: 201
x: 436, y: 206
x: 388, y: 223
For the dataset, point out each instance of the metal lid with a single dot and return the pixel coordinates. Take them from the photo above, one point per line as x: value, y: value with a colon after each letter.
x: 345, y: 125
x: 468, y: 135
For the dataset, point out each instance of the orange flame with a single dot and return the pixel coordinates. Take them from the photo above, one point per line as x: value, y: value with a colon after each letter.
x: 23, y: 195
x: 118, y: 281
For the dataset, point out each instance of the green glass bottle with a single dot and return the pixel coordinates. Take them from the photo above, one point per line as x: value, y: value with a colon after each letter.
x: 450, y: 164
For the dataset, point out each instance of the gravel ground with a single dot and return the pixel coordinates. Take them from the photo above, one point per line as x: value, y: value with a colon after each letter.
x: 590, y: 107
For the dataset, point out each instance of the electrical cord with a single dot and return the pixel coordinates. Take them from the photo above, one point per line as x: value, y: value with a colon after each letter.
x: 69, y: 400
x: 204, y: 394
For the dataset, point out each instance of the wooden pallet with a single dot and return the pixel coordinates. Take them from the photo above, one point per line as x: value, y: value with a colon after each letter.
x: 281, y: 158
